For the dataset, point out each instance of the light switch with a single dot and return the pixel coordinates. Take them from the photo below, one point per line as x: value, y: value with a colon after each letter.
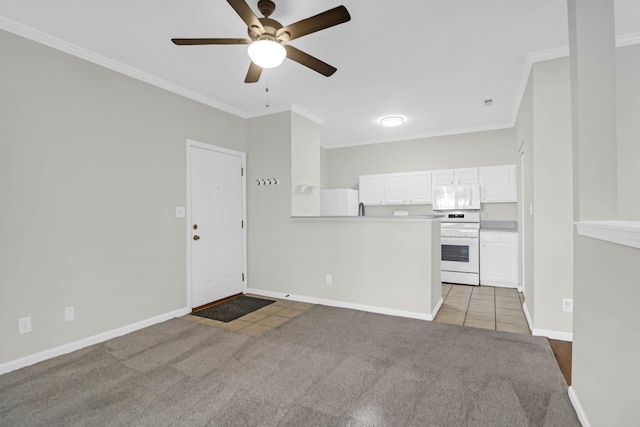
x: 24, y: 325
x: 180, y: 212
x: 69, y: 313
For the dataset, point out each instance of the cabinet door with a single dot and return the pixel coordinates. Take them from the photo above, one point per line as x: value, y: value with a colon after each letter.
x: 395, y: 189
x: 498, y: 184
x: 499, y: 259
x: 419, y: 188
x: 466, y: 176
x: 371, y: 189
x: 443, y: 177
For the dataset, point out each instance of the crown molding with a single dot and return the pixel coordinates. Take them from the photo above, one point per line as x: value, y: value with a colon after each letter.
x: 82, y: 53
x: 548, y: 54
x: 307, y: 114
x: 294, y: 108
x: 459, y: 131
x: 563, y: 51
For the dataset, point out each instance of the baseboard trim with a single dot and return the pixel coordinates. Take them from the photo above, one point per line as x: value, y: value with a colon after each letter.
x: 582, y: 416
x: 435, y: 311
x: 527, y: 315
x: 86, y: 342
x: 554, y: 335
x: 343, y: 304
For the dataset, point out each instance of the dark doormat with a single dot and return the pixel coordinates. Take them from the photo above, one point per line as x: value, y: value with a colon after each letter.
x: 232, y: 309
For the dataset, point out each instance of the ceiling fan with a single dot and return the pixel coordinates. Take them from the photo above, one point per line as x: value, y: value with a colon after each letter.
x: 269, y: 33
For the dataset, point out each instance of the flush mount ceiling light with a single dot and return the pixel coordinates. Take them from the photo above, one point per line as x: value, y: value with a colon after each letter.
x: 266, y: 53
x: 391, y: 121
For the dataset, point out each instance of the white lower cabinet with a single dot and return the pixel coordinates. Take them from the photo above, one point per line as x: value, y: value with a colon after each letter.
x: 499, y: 258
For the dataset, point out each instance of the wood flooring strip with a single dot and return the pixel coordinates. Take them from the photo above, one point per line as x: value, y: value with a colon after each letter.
x: 562, y: 350
x: 211, y: 304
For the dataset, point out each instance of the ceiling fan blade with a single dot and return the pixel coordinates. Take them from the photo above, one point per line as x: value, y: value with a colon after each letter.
x: 253, y: 75
x: 244, y: 11
x: 335, y: 16
x: 309, y: 61
x: 186, y: 42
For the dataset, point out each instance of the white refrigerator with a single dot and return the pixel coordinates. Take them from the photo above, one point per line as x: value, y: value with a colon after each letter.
x: 339, y: 202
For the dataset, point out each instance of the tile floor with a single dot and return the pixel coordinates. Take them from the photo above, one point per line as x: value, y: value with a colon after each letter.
x: 484, y: 307
x: 260, y: 321
x: 475, y: 306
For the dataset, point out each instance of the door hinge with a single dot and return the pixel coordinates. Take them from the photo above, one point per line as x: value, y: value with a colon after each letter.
x: 243, y: 277
x: 241, y: 171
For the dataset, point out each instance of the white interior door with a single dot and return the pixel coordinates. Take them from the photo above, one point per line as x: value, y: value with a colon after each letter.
x: 216, y: 229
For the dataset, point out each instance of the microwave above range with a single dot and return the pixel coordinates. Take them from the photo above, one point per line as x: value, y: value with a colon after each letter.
x: 456, y: 197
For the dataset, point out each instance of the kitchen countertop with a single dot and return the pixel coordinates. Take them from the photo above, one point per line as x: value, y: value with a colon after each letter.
x: 506, y: 226
x: 371, y: 218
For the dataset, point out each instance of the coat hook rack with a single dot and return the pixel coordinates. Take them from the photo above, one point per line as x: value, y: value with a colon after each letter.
x: 267, y: 181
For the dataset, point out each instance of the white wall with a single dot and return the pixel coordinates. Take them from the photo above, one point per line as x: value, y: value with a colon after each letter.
x: 593, y: 91
x: 552, y: 195
x: 628, y: 102
x: 606, y: 348
x: 524, y: 145
x: 324, y: 167
x: 305, y: 166
x: 605, y: 371
x: 373, y: 263
x: 92, y: 166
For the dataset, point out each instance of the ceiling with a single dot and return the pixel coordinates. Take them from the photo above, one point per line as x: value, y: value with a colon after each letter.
x: 433, y: 62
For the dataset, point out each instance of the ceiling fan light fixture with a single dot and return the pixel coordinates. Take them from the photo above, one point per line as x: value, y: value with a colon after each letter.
x: 391, y: 121
x: 267, y: 53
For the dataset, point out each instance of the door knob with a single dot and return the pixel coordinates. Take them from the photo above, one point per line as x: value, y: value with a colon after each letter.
x: 196, y: 237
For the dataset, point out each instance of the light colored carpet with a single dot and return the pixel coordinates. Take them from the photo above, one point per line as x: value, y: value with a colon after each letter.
x: 328, y: 366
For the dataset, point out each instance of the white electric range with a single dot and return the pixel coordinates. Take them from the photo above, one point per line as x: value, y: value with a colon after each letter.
x: 460, y: 240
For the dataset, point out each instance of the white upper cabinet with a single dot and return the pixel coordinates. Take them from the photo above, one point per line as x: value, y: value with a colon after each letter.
x: 455, y: 176
x: 466, y: 176
x: 419, y: 188
x: 443, y: 177
x: 371, y: 189
x: 395, y: 189
x: 411, y: 188
x: 498, y: 184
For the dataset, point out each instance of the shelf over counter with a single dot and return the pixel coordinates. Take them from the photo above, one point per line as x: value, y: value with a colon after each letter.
x: 625, y: 233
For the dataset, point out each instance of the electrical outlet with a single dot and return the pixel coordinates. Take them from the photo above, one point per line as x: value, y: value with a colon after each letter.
x: 24, y: 325
x: 567, y: 305
x: 69, y: 313
x: 328, y: 279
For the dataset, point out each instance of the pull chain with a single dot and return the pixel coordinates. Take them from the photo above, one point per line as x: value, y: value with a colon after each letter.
x: 266, y: 90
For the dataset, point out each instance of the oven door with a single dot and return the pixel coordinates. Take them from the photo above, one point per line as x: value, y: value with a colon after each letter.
x: 460, y: 254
